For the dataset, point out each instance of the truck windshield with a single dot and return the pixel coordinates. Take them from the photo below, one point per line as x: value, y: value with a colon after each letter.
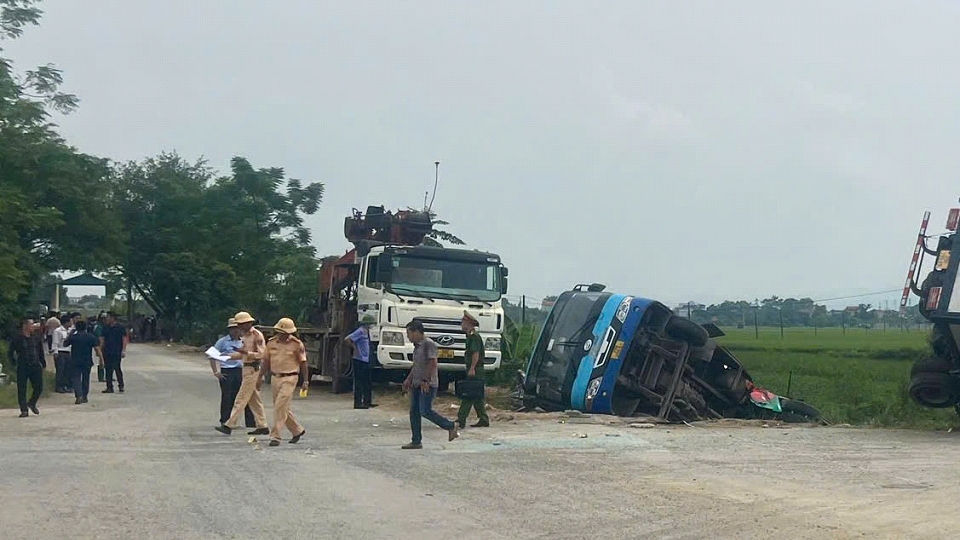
x: 563, y: 343
x: 444, y: 278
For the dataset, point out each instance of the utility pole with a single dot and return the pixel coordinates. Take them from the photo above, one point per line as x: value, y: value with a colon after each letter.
x: 781, y: 322
x: 523, y: 310
x: 843, y: 321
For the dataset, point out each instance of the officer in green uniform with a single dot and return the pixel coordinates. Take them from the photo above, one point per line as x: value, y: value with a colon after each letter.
x: 474, y: 363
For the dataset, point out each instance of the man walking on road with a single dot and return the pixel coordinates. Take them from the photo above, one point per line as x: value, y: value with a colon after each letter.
x: 82, y: 344
x: 359, y: 340
x: 113, y: 343
x: 62, y: 358
x: 473, y: 358
x: 422, y: 383
x: 251, y: 356
x: 285, y: 358
x: 230, y: 373
x: 26, y: 353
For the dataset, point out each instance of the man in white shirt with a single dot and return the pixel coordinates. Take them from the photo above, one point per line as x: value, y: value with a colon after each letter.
x: 62, y: 358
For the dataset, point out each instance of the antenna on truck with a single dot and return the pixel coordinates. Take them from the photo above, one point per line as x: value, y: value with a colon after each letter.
x: 436, y: 181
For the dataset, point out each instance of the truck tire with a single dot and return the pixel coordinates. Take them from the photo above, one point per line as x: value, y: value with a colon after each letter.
x: 934, y: 390
x: 941, y: 341
x: 686, y: 330
x: 931, y: 364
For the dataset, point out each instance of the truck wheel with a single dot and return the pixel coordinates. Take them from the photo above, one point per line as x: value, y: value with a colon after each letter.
x: 686, y: 330
x: 934, y: 390
x: 931, y: 364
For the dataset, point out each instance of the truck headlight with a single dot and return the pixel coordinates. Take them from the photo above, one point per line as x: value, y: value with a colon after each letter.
x: 492, y: 343
x: 594, y: 387
x: 391, y: 338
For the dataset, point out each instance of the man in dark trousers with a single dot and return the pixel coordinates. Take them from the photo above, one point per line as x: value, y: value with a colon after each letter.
x: 82, y: 344
x: 359, y: 340
x: 113, y: 343
x: 230, y: 374
x: 473, y: 357
x: 26, y: 353
x: 422, y: 383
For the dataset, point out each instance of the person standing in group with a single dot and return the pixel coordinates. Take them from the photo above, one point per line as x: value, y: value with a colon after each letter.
x: 82, y: 344
x: 285, y: 359
x: 27, y: 354
x: 251, y: 355
x: 473, y: 358
x: 230, y: 373
x: 422, y: 383
x: 64, y: 375
x: 113, y: 343
x: 359, y: 341
x: 50, y: 327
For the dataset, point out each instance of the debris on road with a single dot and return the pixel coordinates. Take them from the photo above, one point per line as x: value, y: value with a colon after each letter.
x: 642, y: 425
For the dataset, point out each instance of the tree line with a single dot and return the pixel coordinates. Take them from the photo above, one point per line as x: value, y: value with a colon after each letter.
x: 193, y: 244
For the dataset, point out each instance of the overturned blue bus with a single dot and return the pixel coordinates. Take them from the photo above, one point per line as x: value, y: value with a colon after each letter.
x: 600, y: 352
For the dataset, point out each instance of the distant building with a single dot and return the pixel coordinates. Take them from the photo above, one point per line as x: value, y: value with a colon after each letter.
x: 682, y: 309
x: 547, y: 304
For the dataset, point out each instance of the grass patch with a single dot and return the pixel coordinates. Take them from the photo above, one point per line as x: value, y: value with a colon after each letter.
x: 858, y: 378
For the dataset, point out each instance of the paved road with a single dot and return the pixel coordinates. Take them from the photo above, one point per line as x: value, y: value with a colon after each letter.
x: 148, y: 465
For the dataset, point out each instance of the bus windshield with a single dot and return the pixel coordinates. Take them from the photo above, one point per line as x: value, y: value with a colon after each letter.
x: 444, y: 278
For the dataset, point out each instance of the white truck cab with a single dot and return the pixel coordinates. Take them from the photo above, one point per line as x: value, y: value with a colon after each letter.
x: 400, y: 284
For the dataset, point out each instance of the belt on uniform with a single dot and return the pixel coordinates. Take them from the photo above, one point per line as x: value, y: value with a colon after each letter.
x: 291, y: 374
x: 254, y: 365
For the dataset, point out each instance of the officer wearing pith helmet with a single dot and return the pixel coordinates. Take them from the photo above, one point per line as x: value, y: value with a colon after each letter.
x: 284, y: 358
x: 473, y: 359
x: 251, y: 355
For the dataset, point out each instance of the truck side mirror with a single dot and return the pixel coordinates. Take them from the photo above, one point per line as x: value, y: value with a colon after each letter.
x: 384, y: 268
x: 504, y: 271
x: 503, y: 286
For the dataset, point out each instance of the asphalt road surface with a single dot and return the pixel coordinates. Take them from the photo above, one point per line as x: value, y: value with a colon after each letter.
x: 148, y: 465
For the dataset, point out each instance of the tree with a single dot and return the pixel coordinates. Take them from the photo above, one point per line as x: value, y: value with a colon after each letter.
x: 205, y: 246
x: 47, y: 221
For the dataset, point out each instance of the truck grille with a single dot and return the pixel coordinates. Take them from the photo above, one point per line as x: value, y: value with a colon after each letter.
x: 445, y: 332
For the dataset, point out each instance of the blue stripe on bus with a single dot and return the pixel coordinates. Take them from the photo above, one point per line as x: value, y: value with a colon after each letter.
x: 578, y: 395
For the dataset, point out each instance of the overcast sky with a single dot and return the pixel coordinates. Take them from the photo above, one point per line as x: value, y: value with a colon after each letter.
x: 675, y: 150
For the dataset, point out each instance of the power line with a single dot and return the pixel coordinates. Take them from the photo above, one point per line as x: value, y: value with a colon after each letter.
x: 860, y: 295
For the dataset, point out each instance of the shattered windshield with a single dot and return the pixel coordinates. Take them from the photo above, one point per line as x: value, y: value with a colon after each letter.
x: 564, y: 342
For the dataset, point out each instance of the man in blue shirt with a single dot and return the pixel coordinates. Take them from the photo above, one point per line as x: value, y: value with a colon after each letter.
x: 230, y: 374
x: 82, y: 346
x: 359, y: 340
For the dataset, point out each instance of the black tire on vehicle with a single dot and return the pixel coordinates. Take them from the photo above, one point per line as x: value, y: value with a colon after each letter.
x: 934, y: 390
x: 798, y: 411
x: 686, y: 330
x: 704, y: 353
x: 941, y: 341
x: 624, y: 405
x: 931, y: 364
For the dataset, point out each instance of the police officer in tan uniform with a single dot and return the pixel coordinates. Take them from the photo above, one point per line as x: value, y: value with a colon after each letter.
x: 285, y: 359
x: 251, y: 354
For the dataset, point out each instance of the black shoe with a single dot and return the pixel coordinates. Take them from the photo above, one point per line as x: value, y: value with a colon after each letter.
x: 461, y: 423
x: 296, y: 438
x: 121, y: 390
x: 79, y: 401
x: 412, y: 446
x: 361, y: 406
x: 224, y: 429
x: 24, y: 414
x: 85, y: 400
x: 373, y: 405
x: 481, y: 423
x: 108, y: 391
x: 34, y: 408
x: 274, y: 442
x: 260, y: 431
